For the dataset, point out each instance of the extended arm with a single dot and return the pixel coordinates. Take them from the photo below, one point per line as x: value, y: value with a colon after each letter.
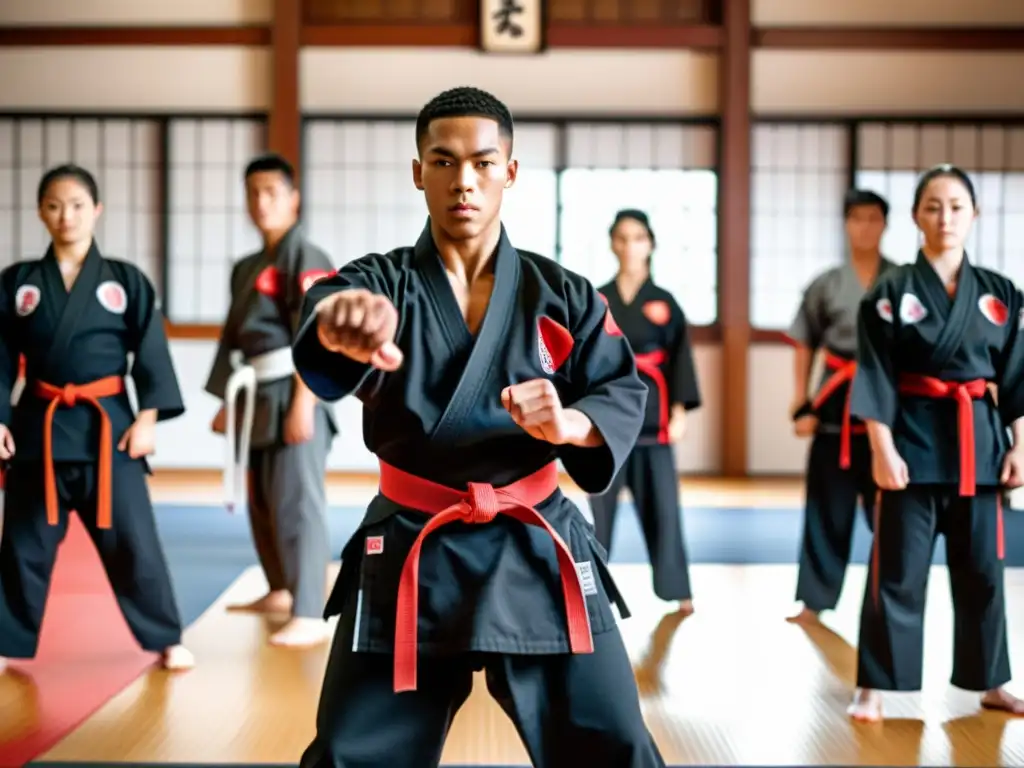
x: 331, y: 375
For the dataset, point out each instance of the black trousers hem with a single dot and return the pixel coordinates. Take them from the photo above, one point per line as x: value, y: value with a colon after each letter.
x: 970, y: 688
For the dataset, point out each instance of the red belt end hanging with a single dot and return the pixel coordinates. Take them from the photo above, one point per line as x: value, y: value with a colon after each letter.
x: 405, y: 668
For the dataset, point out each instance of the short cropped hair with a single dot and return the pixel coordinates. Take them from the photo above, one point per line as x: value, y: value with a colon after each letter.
x: 271, y: 163
x: 857, y: 198
x: 465, y: 101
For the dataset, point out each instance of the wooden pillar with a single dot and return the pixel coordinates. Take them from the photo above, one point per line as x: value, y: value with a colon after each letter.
x: 734, y: 233
x: 285, y: 123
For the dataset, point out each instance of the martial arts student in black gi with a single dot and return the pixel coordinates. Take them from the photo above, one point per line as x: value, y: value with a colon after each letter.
x: 478, y: 366
x: 73, y: 441
x: 656, y: 329
x: 839, y: 461
x: 284, y: 433
x: 933, y: 337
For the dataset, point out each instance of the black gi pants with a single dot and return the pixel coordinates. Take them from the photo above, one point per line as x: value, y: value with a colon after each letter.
x: 569, y: 710
x: 829, y: 515
x: 650, y: 474
x: 130, y: 551
x: 890, y: 653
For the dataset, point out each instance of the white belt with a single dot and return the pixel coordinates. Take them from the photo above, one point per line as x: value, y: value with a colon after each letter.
x: 270, y: 366
x: 16, y: 390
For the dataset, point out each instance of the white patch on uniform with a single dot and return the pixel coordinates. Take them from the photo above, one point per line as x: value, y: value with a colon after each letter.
x: 26, y: 300
x: 1020, y: 320
x: 112, y: 297
x: 546, y: 363
x: 884, y: 307
x: 587, y: 581
x: 374, y: 545
x: 911, y: 309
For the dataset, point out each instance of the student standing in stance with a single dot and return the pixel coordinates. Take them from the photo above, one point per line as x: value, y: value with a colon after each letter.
x: 283, y: 434
x: 656, y: 329
x: 839, y: 461
x: 478, y: 366
x: 932, y: 337
x: 72, y: 441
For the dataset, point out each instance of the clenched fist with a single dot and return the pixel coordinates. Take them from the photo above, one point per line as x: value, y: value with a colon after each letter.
x: 1013, y: 468
x: 889, y: 470
x: 360, y: 325
x: 535, y: 406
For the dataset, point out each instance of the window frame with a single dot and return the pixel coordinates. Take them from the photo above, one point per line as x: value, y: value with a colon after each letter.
x: 852, y: 126
x: 561, y: 126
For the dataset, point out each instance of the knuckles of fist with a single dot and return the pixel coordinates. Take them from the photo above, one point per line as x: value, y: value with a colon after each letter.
x: 531, y: 399
x: 357, y: 320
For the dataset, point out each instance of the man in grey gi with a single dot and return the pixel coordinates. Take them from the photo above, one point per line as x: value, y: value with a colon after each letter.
x: 839, y: 461
x: 280, y: 440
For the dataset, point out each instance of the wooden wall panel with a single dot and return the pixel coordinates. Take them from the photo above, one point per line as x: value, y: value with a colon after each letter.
x: 622, y: 13
x: 285, y: 119
x: 734, y: 234
x: 330, y: 12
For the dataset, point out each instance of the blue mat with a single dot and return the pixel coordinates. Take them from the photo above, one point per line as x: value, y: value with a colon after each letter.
x: 207, y: 548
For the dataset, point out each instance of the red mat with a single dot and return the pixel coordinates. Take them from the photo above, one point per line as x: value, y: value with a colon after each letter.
x: 86, y: 655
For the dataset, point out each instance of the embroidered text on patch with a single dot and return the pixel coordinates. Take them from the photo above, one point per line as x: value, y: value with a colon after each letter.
x: 587, y: 581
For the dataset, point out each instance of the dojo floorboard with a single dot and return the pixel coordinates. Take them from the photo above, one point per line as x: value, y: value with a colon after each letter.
x: 733, y: 685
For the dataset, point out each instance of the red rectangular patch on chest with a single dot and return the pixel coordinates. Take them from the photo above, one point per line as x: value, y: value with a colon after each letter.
x: 374, y: 545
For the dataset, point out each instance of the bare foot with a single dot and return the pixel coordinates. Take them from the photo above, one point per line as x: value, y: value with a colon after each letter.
x: 177, y: 658
x: 866, y: 706
x: 806, y: 616
x: 1000, y: 699
x: 279, y: 601
x: 301, y: 633
x: 685, y: 608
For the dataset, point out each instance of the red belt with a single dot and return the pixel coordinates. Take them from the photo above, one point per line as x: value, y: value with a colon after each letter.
x: 844, y: 371
x: 964, y: 392
x: 480, y: 504
x: 650, y: 363
x: 71, y: 395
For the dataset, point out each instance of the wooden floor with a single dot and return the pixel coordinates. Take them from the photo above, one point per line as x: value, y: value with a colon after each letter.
x: 733, y: 685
